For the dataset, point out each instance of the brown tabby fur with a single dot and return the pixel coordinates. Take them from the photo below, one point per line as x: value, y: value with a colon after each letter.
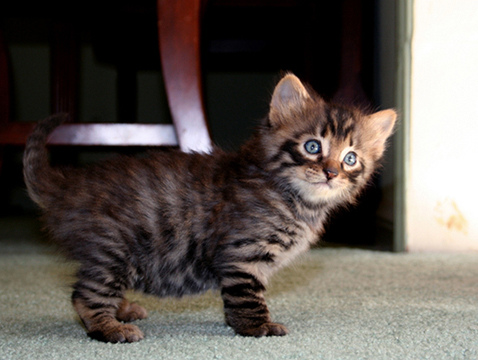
x: 172, y: 223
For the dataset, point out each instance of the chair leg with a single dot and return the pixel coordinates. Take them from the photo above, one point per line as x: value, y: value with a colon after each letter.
x: 179, y: 40
x: 64, y: 69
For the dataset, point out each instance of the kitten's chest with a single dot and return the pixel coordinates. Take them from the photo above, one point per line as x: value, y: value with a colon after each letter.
x: 282, y: 256
x: 300, y: 243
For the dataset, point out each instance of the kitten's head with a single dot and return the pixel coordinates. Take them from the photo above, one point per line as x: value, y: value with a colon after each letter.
x: 326, y: 153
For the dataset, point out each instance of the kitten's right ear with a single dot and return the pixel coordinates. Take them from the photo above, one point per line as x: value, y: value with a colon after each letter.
x: 289, y: 96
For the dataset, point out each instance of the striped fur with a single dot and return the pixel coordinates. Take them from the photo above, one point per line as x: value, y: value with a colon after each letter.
x: 172, y: 224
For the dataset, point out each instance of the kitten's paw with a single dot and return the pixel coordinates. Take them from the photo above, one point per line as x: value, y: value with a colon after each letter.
x: 267, y: 329
x: 121, y: 333
x: 128, y: 312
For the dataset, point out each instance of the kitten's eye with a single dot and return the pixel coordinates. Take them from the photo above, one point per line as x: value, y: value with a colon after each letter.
x: 313, y: 146
x: 350, y: 159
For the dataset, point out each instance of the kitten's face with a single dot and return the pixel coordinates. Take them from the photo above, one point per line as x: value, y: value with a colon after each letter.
x: 326, y: 153
x: 322, y: 168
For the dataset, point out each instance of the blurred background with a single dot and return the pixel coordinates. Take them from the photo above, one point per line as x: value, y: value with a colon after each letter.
x: 345, y: 49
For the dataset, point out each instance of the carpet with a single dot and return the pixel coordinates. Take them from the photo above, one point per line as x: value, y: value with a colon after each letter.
x: 338, y: 303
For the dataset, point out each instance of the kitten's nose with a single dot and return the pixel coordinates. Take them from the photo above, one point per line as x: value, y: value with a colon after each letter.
x: 331, y: 172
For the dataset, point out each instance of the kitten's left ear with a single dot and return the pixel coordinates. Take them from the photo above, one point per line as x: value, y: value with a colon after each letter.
x: 378, y: 128
x: 289, y: 96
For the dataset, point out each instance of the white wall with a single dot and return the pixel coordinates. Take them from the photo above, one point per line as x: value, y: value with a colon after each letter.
x: 442, y: 196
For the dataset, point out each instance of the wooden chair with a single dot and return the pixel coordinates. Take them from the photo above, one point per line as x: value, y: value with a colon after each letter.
x: 179, y: 25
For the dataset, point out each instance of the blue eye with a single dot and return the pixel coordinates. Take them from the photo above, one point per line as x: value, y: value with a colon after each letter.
x: 313, y: 146
x: 350, y: 159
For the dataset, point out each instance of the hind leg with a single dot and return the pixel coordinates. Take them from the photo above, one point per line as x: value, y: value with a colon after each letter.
x: 128, y: 312
x: 97, y: 302
x: 101, y: 323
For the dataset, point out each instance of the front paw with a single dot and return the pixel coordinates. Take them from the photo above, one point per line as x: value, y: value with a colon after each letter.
x: 267, y: 329
x: 119, y: 333
x: 129, y: 312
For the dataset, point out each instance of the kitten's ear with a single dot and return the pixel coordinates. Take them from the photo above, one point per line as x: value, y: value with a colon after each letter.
x: 289, y: 96
x: 378, y: 128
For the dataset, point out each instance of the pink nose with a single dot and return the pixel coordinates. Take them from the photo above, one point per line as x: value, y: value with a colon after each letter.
x: 331, y: 173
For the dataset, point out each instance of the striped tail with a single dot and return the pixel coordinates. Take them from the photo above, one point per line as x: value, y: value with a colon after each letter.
x: 40, y: 178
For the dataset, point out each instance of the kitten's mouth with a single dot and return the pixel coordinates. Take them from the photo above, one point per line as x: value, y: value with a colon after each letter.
x: 322, y: 183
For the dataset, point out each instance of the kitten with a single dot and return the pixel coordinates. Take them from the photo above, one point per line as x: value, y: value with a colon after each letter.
x: 172, y: 224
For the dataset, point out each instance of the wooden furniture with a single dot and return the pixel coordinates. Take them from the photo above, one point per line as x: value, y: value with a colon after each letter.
x: 179, y: 40
x: 179, y: 25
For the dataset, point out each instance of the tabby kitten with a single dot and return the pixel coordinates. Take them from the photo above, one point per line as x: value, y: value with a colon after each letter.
x: 172, y: 224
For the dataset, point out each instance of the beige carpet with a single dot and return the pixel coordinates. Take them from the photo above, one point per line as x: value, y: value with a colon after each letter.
x: 337, y: 304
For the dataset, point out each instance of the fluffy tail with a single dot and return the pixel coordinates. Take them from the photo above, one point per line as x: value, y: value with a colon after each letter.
x: 40, y: 178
